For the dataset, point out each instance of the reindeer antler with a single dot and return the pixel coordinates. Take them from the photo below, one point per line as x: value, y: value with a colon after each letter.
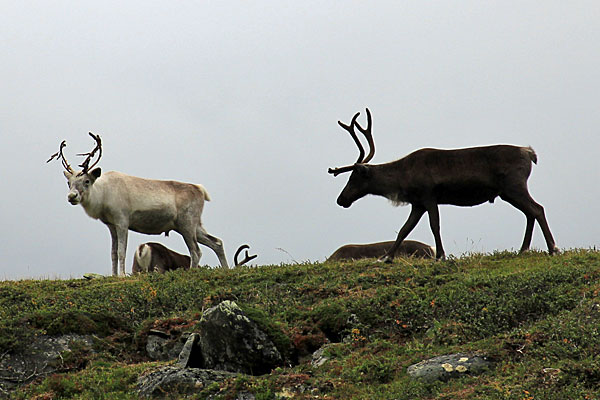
x: 246, y: 258
x: 86, y: 163
x: 361, y: 151
x: 59, y: 155
x: 369, y: 135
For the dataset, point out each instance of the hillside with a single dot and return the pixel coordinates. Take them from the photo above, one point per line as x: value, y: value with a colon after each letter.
x: 536, y: 317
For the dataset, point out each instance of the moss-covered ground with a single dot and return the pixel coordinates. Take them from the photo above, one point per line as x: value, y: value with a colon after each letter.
x: 537, y: 317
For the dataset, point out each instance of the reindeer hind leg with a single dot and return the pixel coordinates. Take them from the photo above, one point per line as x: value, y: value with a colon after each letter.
x: 522, y: 200
x: 213, y: 243
x: 434, y: 224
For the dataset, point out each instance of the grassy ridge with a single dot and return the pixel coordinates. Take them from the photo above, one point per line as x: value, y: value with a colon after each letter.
x: 537, y: 316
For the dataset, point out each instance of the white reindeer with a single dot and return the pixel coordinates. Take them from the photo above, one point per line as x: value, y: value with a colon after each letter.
x: 124, y: 202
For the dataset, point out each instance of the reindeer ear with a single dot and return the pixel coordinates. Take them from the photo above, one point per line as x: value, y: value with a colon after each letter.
x: 363, y: 170
x: 68, y: 174
x: 96, y: 172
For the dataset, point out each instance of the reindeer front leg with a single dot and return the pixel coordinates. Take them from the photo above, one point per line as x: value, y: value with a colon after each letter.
x: 415, y: 215
x: 114, y: 249
x: 122, y: 247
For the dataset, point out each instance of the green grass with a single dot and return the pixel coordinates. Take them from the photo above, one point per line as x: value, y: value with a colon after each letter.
x: 537, y: 317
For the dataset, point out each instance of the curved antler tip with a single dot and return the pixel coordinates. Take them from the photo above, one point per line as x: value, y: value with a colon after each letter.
x: 247, y: 257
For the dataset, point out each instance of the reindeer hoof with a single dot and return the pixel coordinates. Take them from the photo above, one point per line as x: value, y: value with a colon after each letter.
x: 386, y: 259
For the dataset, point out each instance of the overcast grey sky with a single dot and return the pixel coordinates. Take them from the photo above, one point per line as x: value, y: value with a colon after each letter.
x: 243, y: 97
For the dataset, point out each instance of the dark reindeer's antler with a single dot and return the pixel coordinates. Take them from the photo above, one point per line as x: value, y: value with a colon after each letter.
x: 59, y: 155
x: 86, y: 163
x: 247, y: 257
x: 369, y: 136
x: 361, y: 151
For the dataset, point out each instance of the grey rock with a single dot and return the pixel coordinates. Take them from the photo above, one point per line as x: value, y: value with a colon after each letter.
x: 228, y: 340
x: 245, y: 396
x: 41, y: 357
x: 318, y: 357
x: 185, y: 358
x: 161, y: 346
x: 176, y: 380
x: 92, y: 275
x: 449, y: 366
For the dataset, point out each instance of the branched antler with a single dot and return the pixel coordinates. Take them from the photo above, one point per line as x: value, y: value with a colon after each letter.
x: 60, y: 156
x: 86, y: 163
x: 361, y: 151
x: 247, y: 257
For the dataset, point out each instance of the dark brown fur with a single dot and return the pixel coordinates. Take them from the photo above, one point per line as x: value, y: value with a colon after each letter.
x: 161, y: 259
x: 463, y: 177
x: 408, y: 248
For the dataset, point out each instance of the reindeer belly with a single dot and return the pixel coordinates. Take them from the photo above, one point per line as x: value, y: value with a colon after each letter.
x: 466, y: 195
x: 153, y: 222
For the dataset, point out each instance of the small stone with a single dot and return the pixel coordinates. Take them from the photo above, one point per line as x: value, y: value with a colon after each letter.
x: 449, y: 366
x: 91, y: 275
x: 184, y: 357
x: 319, y: 358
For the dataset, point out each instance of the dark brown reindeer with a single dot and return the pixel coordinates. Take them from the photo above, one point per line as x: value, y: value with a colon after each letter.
x: 408, y: 248
x: 429, y: 177
x: 154, y: 257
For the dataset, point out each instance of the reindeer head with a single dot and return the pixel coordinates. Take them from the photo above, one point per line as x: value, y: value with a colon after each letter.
x: 358, y: 184
x: 80, y: 182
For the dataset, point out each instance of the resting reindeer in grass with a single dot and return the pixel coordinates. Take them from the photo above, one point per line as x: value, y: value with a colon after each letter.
x: 429, y: 177
x: 124, y: 202
x: 154, y: 257
x: 408, y: 248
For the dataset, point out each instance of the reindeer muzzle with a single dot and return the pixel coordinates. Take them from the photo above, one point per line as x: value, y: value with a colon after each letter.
x: 343, y: 202
x: 73, y: 198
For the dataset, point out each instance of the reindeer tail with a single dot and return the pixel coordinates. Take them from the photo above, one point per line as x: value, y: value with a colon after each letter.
x: 532, y: 156
x: 143, y: 257
x: 204, y: 192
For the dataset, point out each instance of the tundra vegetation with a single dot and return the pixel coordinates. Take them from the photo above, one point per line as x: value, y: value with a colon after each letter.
x: 537, y: 317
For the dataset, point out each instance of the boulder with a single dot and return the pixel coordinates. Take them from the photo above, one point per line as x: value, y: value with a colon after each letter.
x: 43, y: 356
x: 161, y: 346
x: 227, y: 343
x: 449, y: 366
x: 228, y: 340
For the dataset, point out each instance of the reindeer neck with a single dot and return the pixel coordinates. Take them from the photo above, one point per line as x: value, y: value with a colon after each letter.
x: 386, y: 179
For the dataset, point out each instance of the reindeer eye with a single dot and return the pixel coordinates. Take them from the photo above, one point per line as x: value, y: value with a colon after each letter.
x: 87, y: 181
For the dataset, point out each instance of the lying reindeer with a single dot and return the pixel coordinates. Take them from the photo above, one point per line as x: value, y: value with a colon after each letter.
x: 154, y: 257
x: 408, y: 248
